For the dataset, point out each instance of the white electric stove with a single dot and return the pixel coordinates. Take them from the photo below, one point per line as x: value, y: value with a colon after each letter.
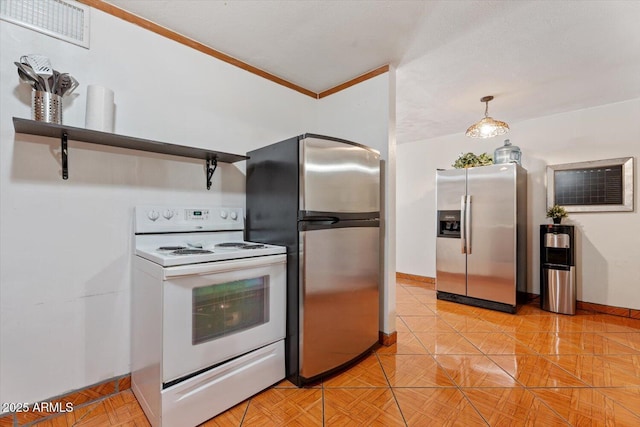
x: 208, y: 313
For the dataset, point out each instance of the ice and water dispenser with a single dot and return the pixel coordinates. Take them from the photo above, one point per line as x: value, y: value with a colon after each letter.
x: 449, y: 224
x: 557, y: 268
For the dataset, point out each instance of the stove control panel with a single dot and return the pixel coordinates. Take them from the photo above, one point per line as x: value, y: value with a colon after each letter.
x: 197, y: 214
x: 167, y: 219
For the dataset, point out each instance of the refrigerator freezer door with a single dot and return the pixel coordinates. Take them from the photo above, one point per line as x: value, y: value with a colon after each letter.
x: 491, y: 264
x: 450, y: 257
x: 338, y: 177
x: 339, y: 276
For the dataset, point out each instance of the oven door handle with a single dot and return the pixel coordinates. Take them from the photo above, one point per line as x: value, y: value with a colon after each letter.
x: 223, y: 266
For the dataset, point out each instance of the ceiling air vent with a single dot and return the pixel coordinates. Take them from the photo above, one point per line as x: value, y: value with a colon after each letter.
x: 64, y: 20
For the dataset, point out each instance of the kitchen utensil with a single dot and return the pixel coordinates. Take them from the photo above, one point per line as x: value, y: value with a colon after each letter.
x: 67, y: 84
x: 53, y: 82
x: 41, y: 65
x: 26, y: 79
x: 73, y: 85
x: 30, y: 75
x: 63, y: 83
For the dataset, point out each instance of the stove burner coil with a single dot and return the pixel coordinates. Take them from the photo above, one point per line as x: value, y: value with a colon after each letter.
x: 230, y: 245
x: 191, y: 252
x: 170, y: 248
x: 240, y: 245
x: 253, y: 247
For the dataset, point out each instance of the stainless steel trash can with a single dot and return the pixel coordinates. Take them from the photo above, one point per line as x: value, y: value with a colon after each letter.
x: 557, y: 269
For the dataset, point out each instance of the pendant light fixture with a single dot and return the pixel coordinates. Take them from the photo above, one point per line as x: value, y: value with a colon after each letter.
x: 487, y: 127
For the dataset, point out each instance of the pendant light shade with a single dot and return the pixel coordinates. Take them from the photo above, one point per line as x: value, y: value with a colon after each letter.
x: 487, y: 127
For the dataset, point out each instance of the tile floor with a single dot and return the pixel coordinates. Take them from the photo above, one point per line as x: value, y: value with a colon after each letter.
x: 453, y: 365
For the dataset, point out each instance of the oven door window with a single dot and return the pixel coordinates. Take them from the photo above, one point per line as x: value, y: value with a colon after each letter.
x: 227, y: 308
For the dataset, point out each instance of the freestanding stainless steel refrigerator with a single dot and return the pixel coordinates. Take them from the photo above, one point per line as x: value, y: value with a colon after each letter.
x: 481, y: 236
x: 320, y: 197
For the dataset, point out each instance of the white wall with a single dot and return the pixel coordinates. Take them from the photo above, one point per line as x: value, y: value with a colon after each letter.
x: 365, y: 113
x: 66, y: 245
x: 608, y: 250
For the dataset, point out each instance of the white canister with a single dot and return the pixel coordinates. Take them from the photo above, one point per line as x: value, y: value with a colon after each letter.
x: 100, y: 109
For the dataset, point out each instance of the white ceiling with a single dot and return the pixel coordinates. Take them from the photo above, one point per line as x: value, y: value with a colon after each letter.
x: 536, y: 57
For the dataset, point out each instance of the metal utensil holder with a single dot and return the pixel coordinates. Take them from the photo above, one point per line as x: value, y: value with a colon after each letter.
x: 46, y: 107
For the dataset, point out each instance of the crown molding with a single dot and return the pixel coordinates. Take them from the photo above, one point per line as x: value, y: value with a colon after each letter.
x: 177, y: 37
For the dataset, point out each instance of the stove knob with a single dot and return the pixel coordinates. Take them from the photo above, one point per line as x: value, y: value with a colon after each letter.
x: 168, y: 214
x: 234, y: 215
x: 223, y: 214
x: 153, y: 215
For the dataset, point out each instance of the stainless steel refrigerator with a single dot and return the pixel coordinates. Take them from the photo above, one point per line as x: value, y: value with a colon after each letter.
x: 320, y: 197
x: 481, y: 236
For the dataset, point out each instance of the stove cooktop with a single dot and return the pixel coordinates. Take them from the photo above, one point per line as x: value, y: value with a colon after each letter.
x: 168, y: 255
x: 171, y: 235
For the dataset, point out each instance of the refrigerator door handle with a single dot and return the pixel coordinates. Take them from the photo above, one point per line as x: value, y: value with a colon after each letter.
x: 463, y: 228
x: 467, y: 227
x: 322, y: 219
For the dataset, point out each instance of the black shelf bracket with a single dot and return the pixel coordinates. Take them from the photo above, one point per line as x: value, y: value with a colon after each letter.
x: 64, y: 153
x: 210, y: 170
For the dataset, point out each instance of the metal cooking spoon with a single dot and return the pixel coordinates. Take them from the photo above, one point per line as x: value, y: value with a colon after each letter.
x: 30, y: 74
x: 26, y: 79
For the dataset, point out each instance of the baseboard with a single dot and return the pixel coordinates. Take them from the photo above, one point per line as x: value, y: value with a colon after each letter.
x: 600, y: 308
x: 608, y: 309
x: 415, y: 278
x: 387, y: 339
x: 68, y: 401
x: 580, y: 305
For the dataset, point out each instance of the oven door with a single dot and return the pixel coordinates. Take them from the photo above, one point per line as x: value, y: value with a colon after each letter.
x: 213, y: 312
